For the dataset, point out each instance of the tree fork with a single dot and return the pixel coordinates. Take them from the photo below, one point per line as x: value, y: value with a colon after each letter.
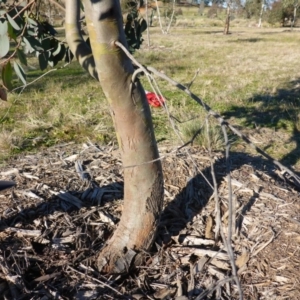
x: 143, y: 179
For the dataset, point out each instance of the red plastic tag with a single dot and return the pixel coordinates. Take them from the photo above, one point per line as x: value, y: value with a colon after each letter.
x: 155, y: 100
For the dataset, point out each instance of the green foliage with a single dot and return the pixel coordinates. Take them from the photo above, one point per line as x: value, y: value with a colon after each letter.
x: 213, y: 11
x: 280, y: 12
x: 19, y: 27
x: 20, y: 72
x: 22, y: 57
x: 276, y: 15
x: 30, y: 34
x: 12, y: 22
x: 4, y: 40
x: 294, y: 3
x: 7, y: 75
x: 253, y: 8
x: 135, y: 25
x: 3, y: 26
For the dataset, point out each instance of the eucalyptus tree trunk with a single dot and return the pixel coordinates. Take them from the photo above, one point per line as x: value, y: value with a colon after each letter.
x: 227, y: 20
x: 294, y: 16
x: 143, y: 180
x: 261, y: 14
x: 159, y: 18
x: 172, y: 16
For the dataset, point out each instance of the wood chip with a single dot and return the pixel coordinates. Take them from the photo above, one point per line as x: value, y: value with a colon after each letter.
x: 194, y: 240
x: 71, y: 158
x: 242, y: 259
x: 24, y: 232
x: 165, y: 293
x: 70, y: 199
x: 53, y: 220
x: 29, y: 176
x: 281, y: 279
x: 9, y: 172
x: 208, y: 228
x: 200, y: 252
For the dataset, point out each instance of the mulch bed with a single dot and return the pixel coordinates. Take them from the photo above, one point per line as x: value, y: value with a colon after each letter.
x: 68, y: 201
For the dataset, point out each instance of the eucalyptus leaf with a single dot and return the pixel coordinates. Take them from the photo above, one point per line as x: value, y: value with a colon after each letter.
x: 28, y: 47
x: 13, y: 22
x: 31, y: 21
x: 3, y: 26
x: 143, y: 24
x: 46, y: 44
x: 55, y: 59
x: 18, y: 16
x: 20, y: 72
x: 51, y: 63
x: 43, y: 60
x: 57, y: 50
x: 22, y: 56
x: 61, y: 53
x: 33, y: 43
x: 4, y: 42
x: 31, y: 32
x: 11, y: 32
x: 49, y: 28
x: 7, y: 75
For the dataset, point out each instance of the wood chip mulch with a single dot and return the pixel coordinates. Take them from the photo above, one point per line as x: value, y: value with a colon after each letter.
x: 68, y: 201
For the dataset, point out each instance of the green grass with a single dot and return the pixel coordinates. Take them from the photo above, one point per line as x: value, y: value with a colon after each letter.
x: 64, y: 105
x: 250, y: 76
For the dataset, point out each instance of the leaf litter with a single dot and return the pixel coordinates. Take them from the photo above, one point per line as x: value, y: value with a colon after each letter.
x: 68, y: 201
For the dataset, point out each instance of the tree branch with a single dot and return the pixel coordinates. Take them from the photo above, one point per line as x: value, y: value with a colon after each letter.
x: 78, y: 46
x: 231, y: 217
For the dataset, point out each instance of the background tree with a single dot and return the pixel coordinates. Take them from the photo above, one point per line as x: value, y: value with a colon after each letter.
x: 228, y: 14
x: 295, y: 5
x: 201, y: 8
x: 279, y: 13
x: 228, y: 5
x: 22, y: 27
x: 213, y: 11
x: 256, y: 9
x: 253, y: 8
x: 262, y: 8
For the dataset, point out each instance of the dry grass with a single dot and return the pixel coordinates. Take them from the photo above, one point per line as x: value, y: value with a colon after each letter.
x: 250, y: 76
x: 8, y: 142
x: 53, y: 110
x: 197, y: 133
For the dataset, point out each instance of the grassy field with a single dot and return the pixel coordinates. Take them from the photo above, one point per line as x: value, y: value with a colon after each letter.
x: 251, y: 77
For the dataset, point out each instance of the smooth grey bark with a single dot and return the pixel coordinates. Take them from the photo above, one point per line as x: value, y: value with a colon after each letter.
x: 261, y: 14
x: 295, y: 15
x: 143, y: 179
x: 78, y: 46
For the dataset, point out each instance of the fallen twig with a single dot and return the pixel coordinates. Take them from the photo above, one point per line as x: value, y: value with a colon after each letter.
x: 97, y: 280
